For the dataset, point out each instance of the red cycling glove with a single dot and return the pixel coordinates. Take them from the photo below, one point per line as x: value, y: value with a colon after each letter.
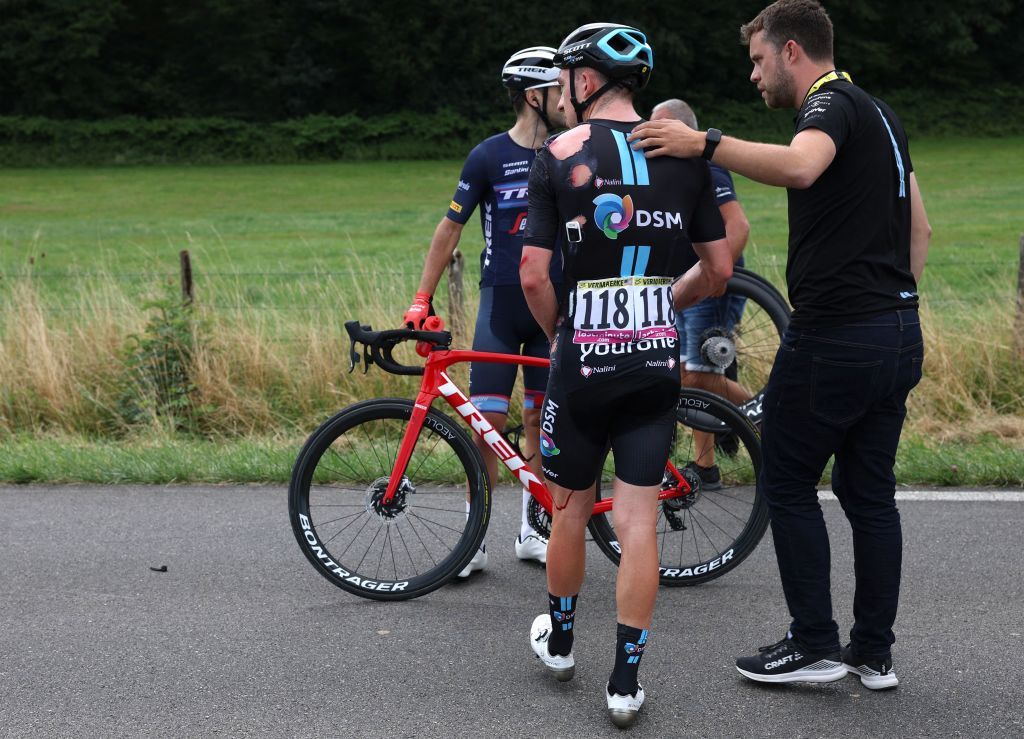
x: 418, y: 312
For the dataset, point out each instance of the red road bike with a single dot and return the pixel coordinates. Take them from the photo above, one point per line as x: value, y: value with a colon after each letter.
x: 389, y: 498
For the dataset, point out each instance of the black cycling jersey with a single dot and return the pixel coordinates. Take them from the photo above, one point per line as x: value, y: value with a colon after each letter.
x: 636, y: 216
x: 495, y: 177
x: 849, y: 232
x: 628, y: 224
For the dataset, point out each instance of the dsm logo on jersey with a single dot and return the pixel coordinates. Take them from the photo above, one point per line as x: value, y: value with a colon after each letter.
x: 613, y: 215
x: 511, y: 195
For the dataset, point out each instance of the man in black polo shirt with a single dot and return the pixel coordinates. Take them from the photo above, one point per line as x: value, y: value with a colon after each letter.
x: 857, y: 245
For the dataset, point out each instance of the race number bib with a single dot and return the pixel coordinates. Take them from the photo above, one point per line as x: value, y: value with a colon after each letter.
x: 622, y: 309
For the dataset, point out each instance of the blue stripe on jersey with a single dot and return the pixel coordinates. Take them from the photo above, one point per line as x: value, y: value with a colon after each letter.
x: 634, y: 261
x: 640, y: 163
x: 624, y: 158
x: 643, y: 253
x: 628, y: 255
x: 896, y: 151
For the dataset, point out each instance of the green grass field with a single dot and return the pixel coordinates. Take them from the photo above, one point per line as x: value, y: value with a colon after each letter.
x: 282, y: 223
x: 284, y: 254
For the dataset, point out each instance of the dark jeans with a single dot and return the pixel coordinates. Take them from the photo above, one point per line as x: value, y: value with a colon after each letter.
x: 839, y: 391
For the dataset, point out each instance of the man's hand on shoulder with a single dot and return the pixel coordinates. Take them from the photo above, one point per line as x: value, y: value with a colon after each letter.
x: 667, y: 137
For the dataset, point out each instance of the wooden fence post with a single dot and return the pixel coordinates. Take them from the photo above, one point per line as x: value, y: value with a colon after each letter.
x: 1018, y: 326
x: 187, y: 292
x: 457, y: 294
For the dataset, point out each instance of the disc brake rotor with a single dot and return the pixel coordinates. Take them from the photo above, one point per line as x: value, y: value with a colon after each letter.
x: 388, y: 511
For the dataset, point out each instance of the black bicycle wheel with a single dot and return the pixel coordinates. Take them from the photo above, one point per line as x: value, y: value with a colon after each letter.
x: 757, y: 336
x: 707, y: 532
x: 416, y: 543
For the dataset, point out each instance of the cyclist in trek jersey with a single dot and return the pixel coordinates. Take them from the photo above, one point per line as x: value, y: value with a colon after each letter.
x: 713, y: 314
x: 629, y: 265
x: 495, y: 177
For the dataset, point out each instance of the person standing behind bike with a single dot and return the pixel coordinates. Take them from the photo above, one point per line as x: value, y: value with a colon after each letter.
x: 858, y: 238
x: 628, y: 228
x: 495, y: 176
x: 712, y: 314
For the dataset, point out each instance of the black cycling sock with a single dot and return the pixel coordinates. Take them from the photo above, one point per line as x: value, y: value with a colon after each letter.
x: 629, y: 648
x: 563, y: 613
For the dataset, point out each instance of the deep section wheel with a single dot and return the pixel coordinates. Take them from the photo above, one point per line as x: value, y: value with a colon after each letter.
x: 392, y: 550
x: 714, y: 525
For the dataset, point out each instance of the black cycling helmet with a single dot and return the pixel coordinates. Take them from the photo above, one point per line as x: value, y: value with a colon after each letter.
x: 620, y: 53
x: 532, y: 68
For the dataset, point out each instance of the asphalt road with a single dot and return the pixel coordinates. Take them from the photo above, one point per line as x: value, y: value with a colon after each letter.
x: 240, y: 636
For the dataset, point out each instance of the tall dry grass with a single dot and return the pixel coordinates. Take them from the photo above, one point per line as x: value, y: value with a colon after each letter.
x: 258, y: 370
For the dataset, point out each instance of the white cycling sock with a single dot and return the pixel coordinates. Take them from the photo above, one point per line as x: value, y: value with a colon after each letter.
x: 525, y: 529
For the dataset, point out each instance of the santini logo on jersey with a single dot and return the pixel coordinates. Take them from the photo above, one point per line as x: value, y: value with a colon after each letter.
x: 613, y: 215
x: 511, y: 195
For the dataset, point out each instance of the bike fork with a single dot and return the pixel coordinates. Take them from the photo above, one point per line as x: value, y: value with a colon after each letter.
x: 409, y: 439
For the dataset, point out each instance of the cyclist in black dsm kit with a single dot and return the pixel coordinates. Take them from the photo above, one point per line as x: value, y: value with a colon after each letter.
x: 628, y: 266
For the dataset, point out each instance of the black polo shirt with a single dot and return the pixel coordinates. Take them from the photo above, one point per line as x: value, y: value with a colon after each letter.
x: 849, y: 232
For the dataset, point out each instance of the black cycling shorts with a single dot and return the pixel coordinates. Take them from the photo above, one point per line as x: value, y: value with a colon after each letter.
x: 505, y: 325
x: 625, y: 398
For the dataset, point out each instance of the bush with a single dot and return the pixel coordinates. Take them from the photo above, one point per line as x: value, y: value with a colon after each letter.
x: 444, y: 134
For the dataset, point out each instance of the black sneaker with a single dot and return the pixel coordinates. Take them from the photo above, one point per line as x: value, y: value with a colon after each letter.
x: 787, y: 662
x: 710, y: 477
x: 875, y: 672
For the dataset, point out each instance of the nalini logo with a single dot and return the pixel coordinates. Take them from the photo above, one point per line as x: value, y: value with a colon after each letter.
x: 547, y: 446
x: 613, y: 213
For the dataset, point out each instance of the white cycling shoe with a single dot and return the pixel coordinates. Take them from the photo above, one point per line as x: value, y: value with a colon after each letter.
x: 563, y: 668
x: 478, y: 562
x: 534, y: 547
x: 622, y: 709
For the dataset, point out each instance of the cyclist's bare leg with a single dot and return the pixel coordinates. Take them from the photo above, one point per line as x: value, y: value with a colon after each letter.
x: 703, y: 442
x: 635, y: 516
x: 567, y: 545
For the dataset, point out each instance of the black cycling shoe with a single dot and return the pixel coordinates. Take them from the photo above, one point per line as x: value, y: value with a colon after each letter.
x: 710, y: 477
x: 788, y: 662
x: 875, y: 673
x: 753, y: 409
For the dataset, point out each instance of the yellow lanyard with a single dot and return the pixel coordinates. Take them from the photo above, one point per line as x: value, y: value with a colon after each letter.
x: 825, y: 79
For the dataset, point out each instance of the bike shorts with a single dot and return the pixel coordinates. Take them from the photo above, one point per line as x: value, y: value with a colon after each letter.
x: 624, y: 398
x: 505, y: 325
x: 722, y: 313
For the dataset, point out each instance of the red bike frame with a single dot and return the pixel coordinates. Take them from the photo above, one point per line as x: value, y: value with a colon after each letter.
x: 436, y: 383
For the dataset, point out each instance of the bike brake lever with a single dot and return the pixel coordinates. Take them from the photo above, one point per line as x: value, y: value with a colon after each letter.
x: 367, y: 358
x: 353, y: 356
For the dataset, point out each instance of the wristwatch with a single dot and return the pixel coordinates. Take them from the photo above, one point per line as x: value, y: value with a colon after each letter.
x: 711, y: 140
